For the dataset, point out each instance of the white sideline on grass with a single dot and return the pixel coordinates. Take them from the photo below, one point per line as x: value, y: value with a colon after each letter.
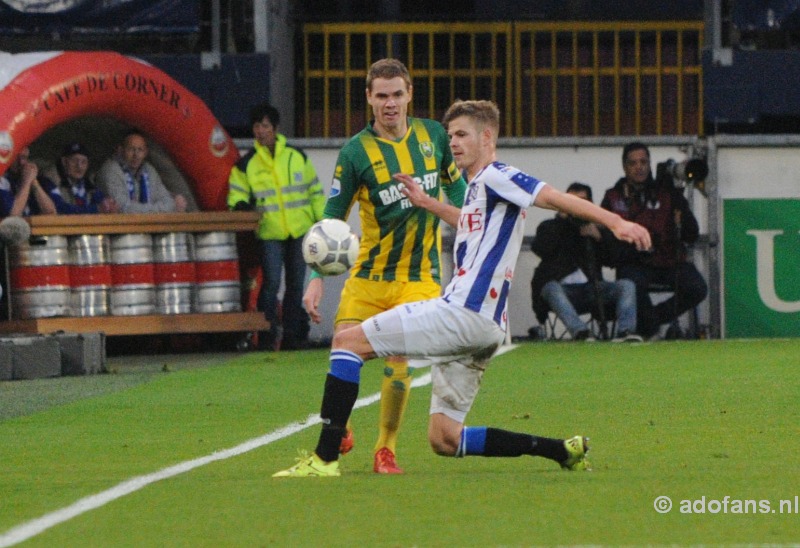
x: 30, y: 529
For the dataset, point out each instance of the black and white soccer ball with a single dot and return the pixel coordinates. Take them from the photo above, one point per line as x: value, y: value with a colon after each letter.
x: 330, y: 247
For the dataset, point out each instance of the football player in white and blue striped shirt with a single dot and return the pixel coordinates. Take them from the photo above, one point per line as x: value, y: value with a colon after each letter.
x: 460, y: 331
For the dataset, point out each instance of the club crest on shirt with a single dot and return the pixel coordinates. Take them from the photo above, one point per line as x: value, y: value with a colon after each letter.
x: 472, y: 193
x: 426, y: 148
x: 620, y: 206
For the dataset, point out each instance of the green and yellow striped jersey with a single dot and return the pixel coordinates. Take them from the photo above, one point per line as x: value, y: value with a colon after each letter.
x: 399, y: 242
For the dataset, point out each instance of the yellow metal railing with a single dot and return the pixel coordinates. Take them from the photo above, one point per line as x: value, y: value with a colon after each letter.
x: 608, y: 78
x: 549, y: 79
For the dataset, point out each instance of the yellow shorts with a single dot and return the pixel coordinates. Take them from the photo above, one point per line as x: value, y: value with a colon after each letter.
x: 362, y: 298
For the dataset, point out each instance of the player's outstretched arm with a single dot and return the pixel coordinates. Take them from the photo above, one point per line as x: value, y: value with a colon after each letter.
x: 420, y: 198
x: 632, y: 233
x: 626, y: 231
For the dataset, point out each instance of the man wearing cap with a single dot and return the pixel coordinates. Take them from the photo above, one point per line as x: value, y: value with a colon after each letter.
x: 75, y: 193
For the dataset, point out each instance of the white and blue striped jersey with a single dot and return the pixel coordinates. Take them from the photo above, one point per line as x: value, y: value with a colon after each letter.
x: 488, y: 239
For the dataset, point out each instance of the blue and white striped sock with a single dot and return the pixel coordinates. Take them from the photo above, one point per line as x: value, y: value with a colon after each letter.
x: 473, y: 441
x: 346, y: 365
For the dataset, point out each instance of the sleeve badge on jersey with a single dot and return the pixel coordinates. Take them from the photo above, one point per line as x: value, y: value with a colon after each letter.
x: 453, y: 173
x: 426, y: 148
x: 336, y: 188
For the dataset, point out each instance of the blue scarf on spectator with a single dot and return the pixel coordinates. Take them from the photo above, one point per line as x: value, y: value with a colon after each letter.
x: 144, y: 185
x: 79, y: 192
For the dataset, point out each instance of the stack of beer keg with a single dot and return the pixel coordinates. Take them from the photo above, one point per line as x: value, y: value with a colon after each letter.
x: 90, y: 274
x: 217, y: 262
x: 125, y: 275
x: 40, y: 283
x: 175, y: 273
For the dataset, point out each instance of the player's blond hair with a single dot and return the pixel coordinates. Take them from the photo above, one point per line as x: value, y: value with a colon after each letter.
x: 484, y: 113
x: 388, y: 69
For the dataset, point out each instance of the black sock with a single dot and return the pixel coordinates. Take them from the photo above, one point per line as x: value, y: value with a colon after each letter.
x: 337, y: 404
x: 502, y: 443
x: 549, y: 448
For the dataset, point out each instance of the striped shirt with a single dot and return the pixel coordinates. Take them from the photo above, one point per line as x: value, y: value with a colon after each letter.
x: 399, y: 242
x: 488, y: 239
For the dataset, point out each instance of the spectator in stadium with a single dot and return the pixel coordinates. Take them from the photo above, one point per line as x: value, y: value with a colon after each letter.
x: 459, y: 331
x: 22, y: 191
x: 569, y: 279
x: 280, y: 181
x: 400, y: 244
x: 75, y: 193
x: 133, y: 182
x: 665, y: 212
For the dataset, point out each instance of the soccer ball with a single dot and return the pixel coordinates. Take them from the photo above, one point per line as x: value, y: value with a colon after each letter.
x: 330, y: 247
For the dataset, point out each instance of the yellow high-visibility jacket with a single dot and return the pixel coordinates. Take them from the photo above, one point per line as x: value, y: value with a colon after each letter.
x: 284, y: 188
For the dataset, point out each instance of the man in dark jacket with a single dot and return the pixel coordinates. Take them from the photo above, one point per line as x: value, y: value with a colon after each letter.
x: 569, y: 279
x: 665, y: 212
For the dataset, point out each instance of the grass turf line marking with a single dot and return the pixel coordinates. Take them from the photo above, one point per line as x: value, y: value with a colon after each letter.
x: 30, y: 529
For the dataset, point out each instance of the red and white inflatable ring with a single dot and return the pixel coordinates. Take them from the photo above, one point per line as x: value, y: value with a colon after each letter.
x: 42, y: 90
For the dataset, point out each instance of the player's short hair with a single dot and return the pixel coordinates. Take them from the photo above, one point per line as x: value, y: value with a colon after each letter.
x: 581, y: 187
x: 630, y: 147
x: 388, y: 69
x: 485, y: 113
x: 265, y: 110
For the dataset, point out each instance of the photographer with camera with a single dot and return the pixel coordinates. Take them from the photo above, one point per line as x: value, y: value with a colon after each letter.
x: 569, y: 279
x: 660, y: 207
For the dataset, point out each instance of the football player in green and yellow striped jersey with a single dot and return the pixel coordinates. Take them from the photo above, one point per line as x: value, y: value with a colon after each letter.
x: 400, y: 255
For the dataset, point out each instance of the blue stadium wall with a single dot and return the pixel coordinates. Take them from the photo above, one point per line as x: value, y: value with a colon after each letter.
x: 757, y: 93
x: 229, y: 89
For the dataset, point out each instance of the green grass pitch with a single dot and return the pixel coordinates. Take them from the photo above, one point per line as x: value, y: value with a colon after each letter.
x: 695, y: 421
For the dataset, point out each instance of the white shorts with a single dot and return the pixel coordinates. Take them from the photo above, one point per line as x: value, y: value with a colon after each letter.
x: 457, y: 342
